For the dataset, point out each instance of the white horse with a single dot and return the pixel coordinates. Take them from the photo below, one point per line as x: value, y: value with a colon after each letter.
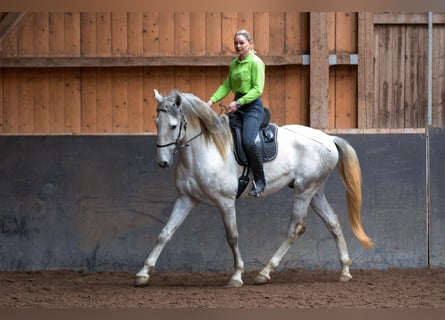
x: 207, y: 172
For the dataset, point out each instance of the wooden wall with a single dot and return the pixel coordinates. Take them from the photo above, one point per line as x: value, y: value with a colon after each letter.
x: 93, y: 73
x: 394, y: 73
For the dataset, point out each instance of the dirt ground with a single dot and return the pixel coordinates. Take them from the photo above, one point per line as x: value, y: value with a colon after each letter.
x: 294, y: 288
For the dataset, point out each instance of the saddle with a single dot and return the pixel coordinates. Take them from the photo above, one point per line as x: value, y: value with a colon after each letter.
x: 265, y: 141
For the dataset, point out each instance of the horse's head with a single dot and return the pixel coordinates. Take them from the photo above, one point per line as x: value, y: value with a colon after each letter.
x: 170, y: 124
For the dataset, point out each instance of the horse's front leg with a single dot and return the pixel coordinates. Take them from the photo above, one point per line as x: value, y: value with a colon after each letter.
x: 229, y: 218
x: 181, y: 209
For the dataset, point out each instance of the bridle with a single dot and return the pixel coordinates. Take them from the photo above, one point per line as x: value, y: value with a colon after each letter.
x: 177, y: 142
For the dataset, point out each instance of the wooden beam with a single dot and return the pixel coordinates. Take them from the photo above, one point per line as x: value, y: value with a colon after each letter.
x: 365, y: 77
x: 407, y: 18
x: 319, y: 70
x: 62, y: 62
x: 9, y: 22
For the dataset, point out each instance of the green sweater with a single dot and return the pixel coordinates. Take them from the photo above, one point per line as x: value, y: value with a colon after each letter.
x: 245, y: 77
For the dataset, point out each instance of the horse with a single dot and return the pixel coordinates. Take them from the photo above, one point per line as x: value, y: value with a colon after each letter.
x: 207, y: 172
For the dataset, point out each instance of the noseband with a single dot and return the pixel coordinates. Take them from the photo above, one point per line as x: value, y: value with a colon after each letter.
x: 177, y: 143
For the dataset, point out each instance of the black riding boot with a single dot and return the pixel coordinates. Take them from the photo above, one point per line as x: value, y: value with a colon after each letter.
x: 256, y: 164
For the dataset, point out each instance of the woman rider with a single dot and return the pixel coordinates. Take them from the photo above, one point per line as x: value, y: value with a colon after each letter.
x: 246, y: 80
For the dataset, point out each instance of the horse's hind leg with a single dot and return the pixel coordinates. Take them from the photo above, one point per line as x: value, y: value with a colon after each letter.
x: 321, y: 206
x: 296, y: 228
x: 181, y: 209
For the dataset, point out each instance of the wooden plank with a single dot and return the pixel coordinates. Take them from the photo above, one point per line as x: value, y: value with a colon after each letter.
x: 305, y: 32
x: 26, y: 36
x: 41, y: 34
x: 332, y: 97
x: 167, y: 79
x: 260, y: 32
x: 104, y: 106
x: 151, y: 37
x: 182, y: 33
x: 135, y: 100
x: 182, y: 78
x: 41, y: 117
x: 119, y: 33
x: 89, y: 98
x: 9, y: 23
x: 292, y: 33
x: 103, y: 34
x: 277, y: 100
x: 213, y: 33
x: 407, y: 18
x: 319, y: 71
x: 10, y: 101
x: 214, y: 77
x: 439, y: 77
x: 345, y: 97
x: 292, y: 102
x: 56, y: 101
x: 88, y: 34
x: 245, y: 21
x: 56, y: 34
x: 422, y: 76
x: 72, y: 34
x: 26, y: 100
x: 73, y: 101
x: 197, y: 33
x: 151, y: 80
x: 166, y: 34
x: 120, y: 99
x: 398, y: 85
x: 385, y: 95
x: 277, y: 33
x: 345, y: 32
x: 198, y: 82
x: 135, y: 34
x: 229, y: 28
x: 305, y: 95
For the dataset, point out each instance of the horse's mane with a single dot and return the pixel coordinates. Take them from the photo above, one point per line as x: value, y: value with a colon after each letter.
x: 198, y: 113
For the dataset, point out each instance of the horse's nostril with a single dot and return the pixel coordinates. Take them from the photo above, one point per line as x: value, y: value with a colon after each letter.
x: 163, y: 164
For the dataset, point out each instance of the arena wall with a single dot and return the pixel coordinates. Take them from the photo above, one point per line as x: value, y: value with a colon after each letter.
x: 99, y: 202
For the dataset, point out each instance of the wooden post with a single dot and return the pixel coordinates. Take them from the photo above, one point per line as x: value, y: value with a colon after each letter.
x: 319, y: 70
x: 365, y: 90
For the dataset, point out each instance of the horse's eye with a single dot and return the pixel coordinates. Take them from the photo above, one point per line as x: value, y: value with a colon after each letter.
x: 174, y: 127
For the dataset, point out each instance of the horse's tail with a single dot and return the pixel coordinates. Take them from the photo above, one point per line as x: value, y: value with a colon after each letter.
x: 349, y: 169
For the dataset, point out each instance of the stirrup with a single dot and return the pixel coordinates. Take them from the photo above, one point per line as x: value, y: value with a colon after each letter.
x: 255, y: 192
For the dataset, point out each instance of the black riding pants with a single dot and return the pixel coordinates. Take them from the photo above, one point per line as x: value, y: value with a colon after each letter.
x: 252, y: 115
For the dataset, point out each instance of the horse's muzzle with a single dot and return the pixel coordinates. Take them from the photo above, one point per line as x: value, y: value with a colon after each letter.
x: 163, y: 164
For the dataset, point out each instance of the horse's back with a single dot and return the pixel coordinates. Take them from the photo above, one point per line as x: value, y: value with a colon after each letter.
x: 307, y: 136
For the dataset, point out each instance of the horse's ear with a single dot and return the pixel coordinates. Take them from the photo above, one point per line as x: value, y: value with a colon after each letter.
x: 158, y: 96
x: 178, y: 101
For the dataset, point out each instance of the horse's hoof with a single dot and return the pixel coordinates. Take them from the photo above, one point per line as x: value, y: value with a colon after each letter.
x: 234, y: 284
x: 345, y: 278
x: 261, y: 279
x: 141, y: 281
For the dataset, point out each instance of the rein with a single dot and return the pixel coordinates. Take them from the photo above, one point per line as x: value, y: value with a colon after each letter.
x: 177, y: 144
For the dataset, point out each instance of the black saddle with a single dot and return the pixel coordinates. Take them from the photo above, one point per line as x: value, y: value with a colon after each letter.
x: 266, y: 142
x: 266, y: 139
